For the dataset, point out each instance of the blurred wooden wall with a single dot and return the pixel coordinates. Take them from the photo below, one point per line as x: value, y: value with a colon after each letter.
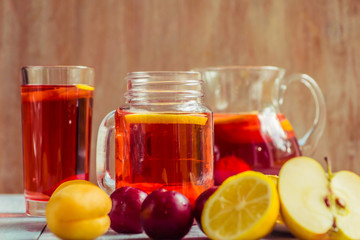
x: 320, y: 38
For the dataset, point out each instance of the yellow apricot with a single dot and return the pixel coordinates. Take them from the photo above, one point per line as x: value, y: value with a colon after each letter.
x: 83, y: 229
x: 67, y: 183
x: 78, y: 211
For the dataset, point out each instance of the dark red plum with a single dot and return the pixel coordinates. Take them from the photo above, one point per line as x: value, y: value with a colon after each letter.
x: 166, y: 215
x: 125, y: 211
x: 200, y: 202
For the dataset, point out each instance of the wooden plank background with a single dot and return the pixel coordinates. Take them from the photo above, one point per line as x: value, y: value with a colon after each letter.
x: 320, y: 38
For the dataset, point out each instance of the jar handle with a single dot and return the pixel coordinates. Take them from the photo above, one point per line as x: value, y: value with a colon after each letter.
x: 105, y: 134
x: 309, y: 141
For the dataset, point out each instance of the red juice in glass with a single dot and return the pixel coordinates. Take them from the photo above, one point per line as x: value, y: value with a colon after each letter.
x: 56, y: 123
x: 257, y: 141
x: 168, y: 151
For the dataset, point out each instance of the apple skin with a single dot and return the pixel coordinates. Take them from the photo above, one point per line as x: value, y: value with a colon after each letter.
x: 316, y: 205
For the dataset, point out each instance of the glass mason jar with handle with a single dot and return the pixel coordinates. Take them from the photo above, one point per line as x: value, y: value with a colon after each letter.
x: 163, y: 136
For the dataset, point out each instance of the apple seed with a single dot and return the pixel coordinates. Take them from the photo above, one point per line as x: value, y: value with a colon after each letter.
x: 340, y: 202
x: 327, y: 202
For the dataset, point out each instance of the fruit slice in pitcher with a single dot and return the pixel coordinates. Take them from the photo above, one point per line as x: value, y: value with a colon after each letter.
x: 229, y: 166
x: 238, y: 128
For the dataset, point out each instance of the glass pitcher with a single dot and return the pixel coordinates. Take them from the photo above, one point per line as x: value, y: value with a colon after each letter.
x: 250, y: 131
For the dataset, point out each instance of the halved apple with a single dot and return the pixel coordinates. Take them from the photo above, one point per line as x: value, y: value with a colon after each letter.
x: 319, y: 205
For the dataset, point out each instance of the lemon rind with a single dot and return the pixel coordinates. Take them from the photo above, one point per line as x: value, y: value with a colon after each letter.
x: 166, y: 118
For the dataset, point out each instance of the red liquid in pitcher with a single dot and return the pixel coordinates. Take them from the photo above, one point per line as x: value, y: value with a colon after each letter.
x: 164, y: 151
x: 259, y: 141
x: 56, y: 122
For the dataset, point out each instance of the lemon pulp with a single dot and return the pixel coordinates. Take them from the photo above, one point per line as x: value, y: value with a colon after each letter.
x: 245, y: 206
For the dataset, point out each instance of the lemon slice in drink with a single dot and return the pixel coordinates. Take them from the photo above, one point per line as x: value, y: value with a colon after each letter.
x: 245, y: 206
x: 166, y: 118
x: 220, y: 118
x: 85, y: 87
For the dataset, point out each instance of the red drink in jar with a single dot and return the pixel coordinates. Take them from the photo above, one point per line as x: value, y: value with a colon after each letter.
x: 168, y: 151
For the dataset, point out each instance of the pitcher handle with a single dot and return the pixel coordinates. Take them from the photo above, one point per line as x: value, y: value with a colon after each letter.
x: 309, y: 141
x: 105, y: 134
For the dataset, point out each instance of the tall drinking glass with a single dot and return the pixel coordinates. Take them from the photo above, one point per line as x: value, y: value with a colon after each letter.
x: 56, y: 104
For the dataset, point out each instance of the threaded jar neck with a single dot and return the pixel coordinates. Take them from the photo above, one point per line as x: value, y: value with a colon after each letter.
x: 163, y: 87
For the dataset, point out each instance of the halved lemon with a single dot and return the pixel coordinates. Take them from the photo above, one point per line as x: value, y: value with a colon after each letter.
x: 245, y: 206
x: 166, y: 118
x: 274, y: 178
x: 279, y: 220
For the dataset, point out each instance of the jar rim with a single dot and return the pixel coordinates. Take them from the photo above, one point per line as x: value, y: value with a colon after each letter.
x: 161, y: 85
x: 159, y: 74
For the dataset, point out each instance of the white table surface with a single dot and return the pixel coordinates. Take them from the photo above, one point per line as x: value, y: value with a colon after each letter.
x: 15, y: 224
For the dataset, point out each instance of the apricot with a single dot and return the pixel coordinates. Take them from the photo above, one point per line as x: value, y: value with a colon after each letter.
x: 67, y: 183
x: 78, y: 210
